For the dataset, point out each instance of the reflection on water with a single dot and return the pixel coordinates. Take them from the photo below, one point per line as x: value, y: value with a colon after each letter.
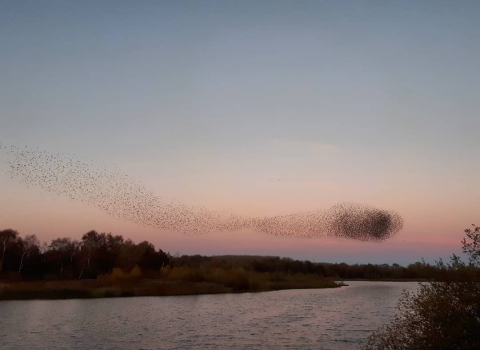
x: 339, y: 318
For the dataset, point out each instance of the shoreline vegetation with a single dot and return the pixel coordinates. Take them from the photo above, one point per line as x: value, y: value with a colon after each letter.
x: 105, y: 265
x: 385, y: 279
x: 172, y: 282
x: 442, y: 314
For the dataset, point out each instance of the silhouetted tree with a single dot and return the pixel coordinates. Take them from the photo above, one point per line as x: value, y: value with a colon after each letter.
x: 90, y: 242
x: 7, y: 237
x: 29, y: 243
x: 63, y: 250
x: 444, y: 314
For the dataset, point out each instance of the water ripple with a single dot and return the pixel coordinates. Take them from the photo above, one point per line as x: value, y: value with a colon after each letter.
x: 339, y: 319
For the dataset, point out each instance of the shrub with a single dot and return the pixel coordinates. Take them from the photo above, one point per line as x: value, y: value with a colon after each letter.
x: 444, y: 314
x: 119, y: 274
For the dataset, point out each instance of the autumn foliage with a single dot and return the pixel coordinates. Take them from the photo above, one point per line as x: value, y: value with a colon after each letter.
x: 443, y: 314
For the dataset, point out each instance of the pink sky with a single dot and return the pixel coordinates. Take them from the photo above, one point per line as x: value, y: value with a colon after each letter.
x: 430, y: 231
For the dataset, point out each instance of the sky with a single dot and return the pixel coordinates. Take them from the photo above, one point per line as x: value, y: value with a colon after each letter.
x: 205, y: 102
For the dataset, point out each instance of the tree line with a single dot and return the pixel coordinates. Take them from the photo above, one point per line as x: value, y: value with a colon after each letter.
x: 98, y: 254
x: 65, y: 258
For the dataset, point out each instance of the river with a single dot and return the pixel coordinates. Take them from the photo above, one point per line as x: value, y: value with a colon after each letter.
x: 337, y: 319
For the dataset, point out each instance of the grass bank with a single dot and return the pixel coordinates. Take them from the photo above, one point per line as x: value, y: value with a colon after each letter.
x: 385, y: 279
x: 175, y: 281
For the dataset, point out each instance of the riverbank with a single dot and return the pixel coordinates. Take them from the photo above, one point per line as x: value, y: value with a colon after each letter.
x: 169, y: 284
x: 385, y: 279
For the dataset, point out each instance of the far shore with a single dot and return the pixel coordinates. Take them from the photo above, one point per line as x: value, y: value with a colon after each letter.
x: 383, y: 279
x: 105, y: 288
x: 88, y: 289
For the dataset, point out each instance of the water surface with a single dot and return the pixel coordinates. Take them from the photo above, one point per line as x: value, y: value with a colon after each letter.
x: 337, y: 319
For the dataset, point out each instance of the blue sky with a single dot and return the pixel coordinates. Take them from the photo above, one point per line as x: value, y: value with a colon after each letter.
x: 347, y: 100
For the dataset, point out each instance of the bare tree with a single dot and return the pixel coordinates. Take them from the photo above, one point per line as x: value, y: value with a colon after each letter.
x: 64, y: 249
x: 7, y: 237
x: 90, y: 241
x: 44, y: 248
x: 29, y: 243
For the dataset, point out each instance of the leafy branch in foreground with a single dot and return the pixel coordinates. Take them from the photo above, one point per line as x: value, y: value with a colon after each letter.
x: 443, y: 314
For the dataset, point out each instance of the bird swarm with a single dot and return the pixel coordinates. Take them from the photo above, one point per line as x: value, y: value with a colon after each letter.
x: 125, y: 198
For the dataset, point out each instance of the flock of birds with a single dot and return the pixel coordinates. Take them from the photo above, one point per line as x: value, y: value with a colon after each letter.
x: 127, y: 199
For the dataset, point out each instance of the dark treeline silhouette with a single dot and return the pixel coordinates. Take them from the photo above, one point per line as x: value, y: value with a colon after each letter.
x: 272, y: 264
x: 96, y: 254
x: 65, y: 258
